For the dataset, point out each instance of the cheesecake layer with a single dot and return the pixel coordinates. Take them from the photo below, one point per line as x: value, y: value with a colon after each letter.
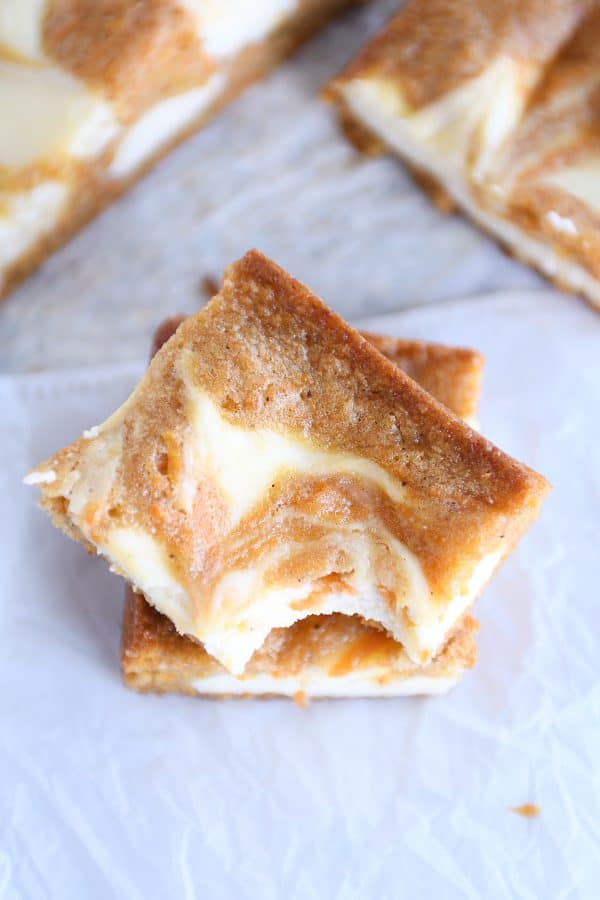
x: 321, y: 656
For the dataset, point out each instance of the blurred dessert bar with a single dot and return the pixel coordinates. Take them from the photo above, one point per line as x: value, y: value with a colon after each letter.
x: 93, y: 92
x: 498, y: 106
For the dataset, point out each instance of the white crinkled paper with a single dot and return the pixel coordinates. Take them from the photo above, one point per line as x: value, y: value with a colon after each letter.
x: 106, y: 793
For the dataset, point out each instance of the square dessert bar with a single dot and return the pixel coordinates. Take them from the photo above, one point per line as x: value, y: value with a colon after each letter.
x: 272, y: 465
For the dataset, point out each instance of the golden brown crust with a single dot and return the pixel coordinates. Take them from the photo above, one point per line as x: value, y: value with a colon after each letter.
x: 361, y: 137
x: 94, y: 193
x: 265, y: 313
x: 451, y: 374
x: 154, y: 657
x: 432, y: 186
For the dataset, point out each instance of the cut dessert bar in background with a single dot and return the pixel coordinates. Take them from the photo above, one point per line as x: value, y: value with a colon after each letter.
x: 321, y: 656
x: 504, y: 119
x: 93, y: 92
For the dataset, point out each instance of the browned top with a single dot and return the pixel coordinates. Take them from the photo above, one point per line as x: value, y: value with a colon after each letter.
x: 154, y: 653
x: 136, y: 51
x: 271, y: 355
x: 434, y: 46
x: 451, y: 374
x: 336, y: 644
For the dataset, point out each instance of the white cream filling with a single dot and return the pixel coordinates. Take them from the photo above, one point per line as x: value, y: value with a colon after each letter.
x: 367, y: 683
x: 232, y: 631
x: 162, y: 122
x: 561, y: 223
x: 371, y: 104
x: 47, y: 113
x: 246, y: 462
x: 238, y: 628
x: 21, y: 27
x: 27, y: 216
x: 242, y: 612
x: 226, y: 28
x: 581, y: 181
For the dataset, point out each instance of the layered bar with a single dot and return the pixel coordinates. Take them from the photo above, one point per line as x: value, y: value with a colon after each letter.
x: 451, y: 374
x: 320, y: 656
x: 497, y: 105
x: 93, y: 92
x: 272, y: 465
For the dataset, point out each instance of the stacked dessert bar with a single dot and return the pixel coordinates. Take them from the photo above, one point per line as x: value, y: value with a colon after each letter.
x: 295, y: 515
x: 497, y: 104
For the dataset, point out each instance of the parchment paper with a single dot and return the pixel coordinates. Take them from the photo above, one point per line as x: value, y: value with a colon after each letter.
x: 104, y: 793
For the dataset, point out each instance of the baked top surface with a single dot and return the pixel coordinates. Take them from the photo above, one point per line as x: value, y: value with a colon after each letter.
x: 270, y: 447
x: 451, y: 374
x: 155, y: 656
